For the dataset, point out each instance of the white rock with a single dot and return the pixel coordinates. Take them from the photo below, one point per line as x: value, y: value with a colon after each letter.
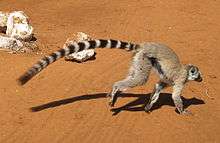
x: 83, y: 55
x: 19, y: 32
x: 10, y: 43
x: 18, y: 26
x: 22, y: 32
x: 3, y: 19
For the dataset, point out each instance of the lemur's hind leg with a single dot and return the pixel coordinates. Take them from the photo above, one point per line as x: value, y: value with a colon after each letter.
x: 155, y: 95
x: 138, y: 75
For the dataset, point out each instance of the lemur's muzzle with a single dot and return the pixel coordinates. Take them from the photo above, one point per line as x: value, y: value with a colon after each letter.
x: 199, y: 79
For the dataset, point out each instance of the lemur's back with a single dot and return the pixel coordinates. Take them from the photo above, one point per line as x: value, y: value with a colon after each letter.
x: 160, y: 51
x: 165, y: 56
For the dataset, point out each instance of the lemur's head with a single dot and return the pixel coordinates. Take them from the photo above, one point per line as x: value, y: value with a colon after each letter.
x: 193, y: 73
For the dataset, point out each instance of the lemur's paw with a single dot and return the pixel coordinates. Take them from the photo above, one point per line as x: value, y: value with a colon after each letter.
x: 111, y: 103
x: 187, y: 113
x: 112, y: 99
x: 108, y: 95
x: 147, y: 108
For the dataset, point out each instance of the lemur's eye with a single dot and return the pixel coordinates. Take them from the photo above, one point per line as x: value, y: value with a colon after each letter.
x: 193, y: 70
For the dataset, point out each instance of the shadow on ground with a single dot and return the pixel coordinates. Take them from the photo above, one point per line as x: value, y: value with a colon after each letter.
x: 135, y: 105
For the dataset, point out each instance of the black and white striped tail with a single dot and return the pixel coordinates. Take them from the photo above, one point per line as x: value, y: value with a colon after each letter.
x: 73, y: 48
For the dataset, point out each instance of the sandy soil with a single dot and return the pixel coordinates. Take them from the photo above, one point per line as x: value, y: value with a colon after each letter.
x: 69, y: 98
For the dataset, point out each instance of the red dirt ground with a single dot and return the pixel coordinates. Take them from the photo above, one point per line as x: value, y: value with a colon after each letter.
x: 70, y: 97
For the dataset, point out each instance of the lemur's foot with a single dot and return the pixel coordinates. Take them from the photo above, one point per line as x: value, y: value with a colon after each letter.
x: 187, y: 113
x: 111, y: 103
x: 108, y: 95
x: 147, y: 108
x: 112, y: 99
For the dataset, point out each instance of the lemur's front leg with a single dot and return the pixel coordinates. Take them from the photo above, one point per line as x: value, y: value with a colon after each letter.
x: 177, y: 89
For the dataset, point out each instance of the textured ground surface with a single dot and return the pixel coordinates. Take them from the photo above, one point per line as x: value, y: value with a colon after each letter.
x: 70, y: 97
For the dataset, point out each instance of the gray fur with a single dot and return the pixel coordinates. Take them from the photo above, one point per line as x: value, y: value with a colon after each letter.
x: 166, y: 63
x: 147, y: 56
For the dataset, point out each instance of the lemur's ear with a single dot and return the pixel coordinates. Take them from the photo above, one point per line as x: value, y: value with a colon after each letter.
x: 190, y: 65
x: 187, y: 66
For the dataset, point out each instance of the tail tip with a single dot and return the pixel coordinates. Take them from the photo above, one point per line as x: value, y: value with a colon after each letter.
x: 22, y: 80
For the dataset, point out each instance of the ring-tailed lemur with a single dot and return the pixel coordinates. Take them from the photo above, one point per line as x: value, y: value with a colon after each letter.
x: 147, y: 56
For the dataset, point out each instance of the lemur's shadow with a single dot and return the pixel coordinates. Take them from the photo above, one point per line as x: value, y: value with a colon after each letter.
x: 135, y: 105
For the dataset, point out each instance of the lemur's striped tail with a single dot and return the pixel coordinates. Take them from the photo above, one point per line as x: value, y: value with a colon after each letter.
x: 72, y: 48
